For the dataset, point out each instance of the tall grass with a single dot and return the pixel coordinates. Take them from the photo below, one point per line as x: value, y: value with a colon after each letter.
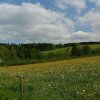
x: 77, y: 79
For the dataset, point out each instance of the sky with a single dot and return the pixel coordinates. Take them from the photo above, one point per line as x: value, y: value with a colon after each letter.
x: 49, y: 21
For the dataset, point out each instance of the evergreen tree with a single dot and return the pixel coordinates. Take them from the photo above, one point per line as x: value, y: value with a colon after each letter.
x: 74, y: 50
x: 13, y: 53
x: 87, y: 50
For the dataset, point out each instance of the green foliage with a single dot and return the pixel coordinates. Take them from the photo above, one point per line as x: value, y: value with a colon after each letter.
x: 78, y: 50
x: 35, y: 54
x: 57, y: 81
x: 13, y: 53
x: 4, y: 53
x: 96, y: 51
x: 87, y: 50
x: 75, y: 50
x: 19, y: 54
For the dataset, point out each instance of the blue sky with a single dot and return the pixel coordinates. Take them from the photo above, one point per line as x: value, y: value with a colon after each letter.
x: 57, y: 21
x: 45, y: 3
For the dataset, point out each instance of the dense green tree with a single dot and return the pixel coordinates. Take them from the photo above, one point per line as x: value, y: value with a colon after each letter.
x: 4, y: 53
x: 80, y: 51
x: 13, y: 52
x: 87, y: 50
x: 74, y: 49
x: 21, y: 53
x: 96, y: 51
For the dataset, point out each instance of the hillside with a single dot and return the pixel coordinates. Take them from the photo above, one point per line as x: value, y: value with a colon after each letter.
x: 21, y: 54
x: 75, y: 79
x: 93, y: 46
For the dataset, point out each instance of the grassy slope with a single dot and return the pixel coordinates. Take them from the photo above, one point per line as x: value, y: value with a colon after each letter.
x: 94, y: 46
x: 56, y: 50
x: 76, y: 79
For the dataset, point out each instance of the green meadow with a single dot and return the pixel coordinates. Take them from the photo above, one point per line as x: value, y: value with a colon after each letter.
x: 75, y: 79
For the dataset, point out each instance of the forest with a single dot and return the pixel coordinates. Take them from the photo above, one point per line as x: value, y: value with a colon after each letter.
x: 18, y: 54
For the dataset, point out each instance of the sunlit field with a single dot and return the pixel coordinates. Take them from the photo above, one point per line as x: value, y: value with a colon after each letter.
x: 75, y: 79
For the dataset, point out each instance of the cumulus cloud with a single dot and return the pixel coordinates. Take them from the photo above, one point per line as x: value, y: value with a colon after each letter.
x: 33, y: 23
x: 76, y: 4
x: 92, y: 18
x: 81, y: 36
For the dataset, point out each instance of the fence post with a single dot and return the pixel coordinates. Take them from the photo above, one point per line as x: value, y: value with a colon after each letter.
x: 21, y: 88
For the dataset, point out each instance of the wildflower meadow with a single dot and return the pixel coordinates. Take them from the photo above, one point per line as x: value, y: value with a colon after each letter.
x: 75, y: 79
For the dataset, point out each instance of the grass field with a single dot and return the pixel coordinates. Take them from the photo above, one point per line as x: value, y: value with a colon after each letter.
x: 75, y: 79
x: 68, y: 49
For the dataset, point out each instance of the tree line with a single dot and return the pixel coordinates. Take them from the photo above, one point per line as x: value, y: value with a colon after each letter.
x: 15, y: 54
x: 12, y: 54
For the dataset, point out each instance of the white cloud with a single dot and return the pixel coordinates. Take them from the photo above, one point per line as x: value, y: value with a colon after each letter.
x: 81, y: 36
x: 92, y: 18
x: 33, y: 23
x: 76, y: 4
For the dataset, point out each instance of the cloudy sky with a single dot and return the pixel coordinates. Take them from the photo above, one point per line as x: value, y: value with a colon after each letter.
x: 53, y: 21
